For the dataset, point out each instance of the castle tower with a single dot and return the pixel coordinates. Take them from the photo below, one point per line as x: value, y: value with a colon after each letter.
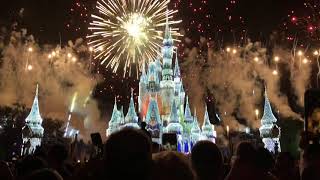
x: 188, y: 119
x: 167, y: 84
x: 208, y: 131
x: 195, y: 130
x: 179, y: 94
x: 32, y: 132
x: 269, y: 131
x: 131, y: 119
x: 114, y: 122
x: 142, y: 88
x: 153, y: 120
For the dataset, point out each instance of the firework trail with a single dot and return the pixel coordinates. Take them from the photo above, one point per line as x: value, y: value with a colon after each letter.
x: 73, y: 103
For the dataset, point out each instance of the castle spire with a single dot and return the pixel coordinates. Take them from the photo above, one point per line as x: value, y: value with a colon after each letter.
x: 167, y: 34
x: 195, y: 129
x: 187, y: 112
x: 207, y: 129
x: 34, y: 115
x: 32, y: 132
x: 269, y: 131
x: 177, y: 72
x: 131, y: 114
x: 174, y: 118
x: 268, y: 116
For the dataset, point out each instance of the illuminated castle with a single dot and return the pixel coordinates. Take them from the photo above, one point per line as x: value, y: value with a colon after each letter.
x: 269, y: 131
x: 32, y: 132
x: 161, y: 103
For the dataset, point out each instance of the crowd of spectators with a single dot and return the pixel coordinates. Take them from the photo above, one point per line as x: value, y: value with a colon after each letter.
x: 130, y: 154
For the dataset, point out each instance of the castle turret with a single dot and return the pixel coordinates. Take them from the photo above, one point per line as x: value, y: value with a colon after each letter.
x: 269, y: 131
x: 167, y: 84
x: 153, y: 120
x: 188, y: 119
x: 32, y: 132
x: 131, y: 119
x: 114, y: 122
x: 195, y: 130
x: 208, y: 132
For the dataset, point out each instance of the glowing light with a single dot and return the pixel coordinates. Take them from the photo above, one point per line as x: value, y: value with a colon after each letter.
x: 30, y: 49
x: 74, y: 59
x: 53, y: 53
x: 257, y: 112
x: 69, y: 55
x: 300, y: 53
x: 316, y: 53
x: 234, y: 51
x: 275, y: 72
x: 73, y: 102
x: 228, y: 49
x: 228, y: 130
x: 130, y: 32
x: 49, y: 56
x: 90, y: 49
x: 256, y: 59
x: 276, y: 58
x: 305, y: 61
x: 30, y: 67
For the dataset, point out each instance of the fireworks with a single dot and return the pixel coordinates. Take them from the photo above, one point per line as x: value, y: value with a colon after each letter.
x: 130, y: 32
x: 304, y: 24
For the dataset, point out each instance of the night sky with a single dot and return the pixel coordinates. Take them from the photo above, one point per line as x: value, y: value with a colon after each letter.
x: 47, y: 18
x: 50, y: 20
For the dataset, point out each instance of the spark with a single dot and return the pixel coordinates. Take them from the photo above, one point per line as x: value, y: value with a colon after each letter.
x: 129, y: 32
x: 30, y: 67
x: 275, y: 72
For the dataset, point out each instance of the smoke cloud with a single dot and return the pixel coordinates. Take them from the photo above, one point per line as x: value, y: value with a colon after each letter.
x: 59, y: 71
x: 237, y: 77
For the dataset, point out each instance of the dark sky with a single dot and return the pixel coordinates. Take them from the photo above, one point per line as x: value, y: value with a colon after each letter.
x: 47, y: 18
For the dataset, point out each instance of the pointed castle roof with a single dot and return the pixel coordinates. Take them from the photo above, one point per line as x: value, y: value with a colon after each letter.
x: 268, y: 116
x: 34, y: 120
x: 195, y: 129
x: 153, y: 111
x: 34, y: 115
x: 206, y: 126
x: 177, y: 72
x: 115, y: 114
x: 131, y: 114
x: 187, y: 112
x: 174, y: 118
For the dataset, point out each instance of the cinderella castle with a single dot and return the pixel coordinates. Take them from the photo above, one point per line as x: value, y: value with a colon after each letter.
x: 163, y: 104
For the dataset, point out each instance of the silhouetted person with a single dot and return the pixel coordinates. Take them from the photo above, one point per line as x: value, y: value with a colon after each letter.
x: 128, y: 155
x: 285, y: 168
x: 57, y: 156
x: 171, y: 165
x: 29, y: 164
x: 143, y: 126
x: 5, y: 172
x: 244, y: 164
x: 311, y: 162
x: 207, y: 161
x: 44, y: 174
x: 264, y: 164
